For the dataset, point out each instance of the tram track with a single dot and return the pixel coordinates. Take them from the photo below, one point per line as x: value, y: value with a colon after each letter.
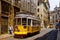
x: 49, y: 36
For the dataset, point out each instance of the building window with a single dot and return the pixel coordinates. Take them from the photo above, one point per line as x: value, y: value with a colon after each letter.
x: 28, y: 2
x: 38, y: 9
x: 38, y: 16
x: 16, y: 1
x: 58, y: 13
x: 56, y: 16
x: 44, y: 11
x: 38, y: 3
x: 53, y: 19
x: 41, y: 15
x: 59, y: 16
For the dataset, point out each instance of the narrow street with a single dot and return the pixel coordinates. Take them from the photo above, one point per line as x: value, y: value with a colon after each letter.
x: 41, y: 36
x: 49, y: 36
x: 30, y: 19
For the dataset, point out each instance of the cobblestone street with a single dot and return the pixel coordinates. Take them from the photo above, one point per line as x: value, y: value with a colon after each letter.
x: 29, y: 19
x: 43, y: 31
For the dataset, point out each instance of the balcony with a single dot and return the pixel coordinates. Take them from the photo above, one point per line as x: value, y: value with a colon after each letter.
x: 5, y: 14
x: 8, y: 1
x: 17, y: 4
x: 41, y: 1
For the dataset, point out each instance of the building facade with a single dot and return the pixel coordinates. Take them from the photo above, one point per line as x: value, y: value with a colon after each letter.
x: 43, y: 12
x: 57, y: 11
x: 28, y: 6
x: 56, y: 15
x: 53, y: 17
x: 8, y: 9
x: 39, y: 8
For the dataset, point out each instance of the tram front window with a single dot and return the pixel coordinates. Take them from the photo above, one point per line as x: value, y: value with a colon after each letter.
x: 16, y: 28
x: 19, y: 21
x: 24, y: 22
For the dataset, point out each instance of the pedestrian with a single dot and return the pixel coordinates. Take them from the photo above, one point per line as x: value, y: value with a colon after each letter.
x: 58, y: 25
x: 10, y: 29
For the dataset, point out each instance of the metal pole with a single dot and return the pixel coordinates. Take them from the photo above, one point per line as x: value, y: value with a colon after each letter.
x: 30, y: 6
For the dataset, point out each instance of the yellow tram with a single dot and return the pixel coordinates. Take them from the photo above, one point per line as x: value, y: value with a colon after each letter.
x: 25, y: 25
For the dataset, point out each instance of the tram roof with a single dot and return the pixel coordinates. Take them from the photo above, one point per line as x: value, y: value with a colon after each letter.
x: 26, y: 16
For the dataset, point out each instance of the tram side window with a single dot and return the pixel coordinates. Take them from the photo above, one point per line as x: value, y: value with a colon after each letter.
x: 29, y: 21
x: 24, y: 21
x: 38, y: 23
x: 19, y: 21
x: 34, y: 23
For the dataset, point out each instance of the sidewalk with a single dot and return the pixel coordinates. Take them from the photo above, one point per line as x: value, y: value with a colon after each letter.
x: 5, y: 36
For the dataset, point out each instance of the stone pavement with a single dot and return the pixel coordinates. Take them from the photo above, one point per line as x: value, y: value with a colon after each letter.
x: 58, y: 35
x: 5, y: 36
x: 42, y: 32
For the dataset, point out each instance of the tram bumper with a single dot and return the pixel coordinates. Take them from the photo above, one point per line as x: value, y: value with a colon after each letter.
x: 20, y: 34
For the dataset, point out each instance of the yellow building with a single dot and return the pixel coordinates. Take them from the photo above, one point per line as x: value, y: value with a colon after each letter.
x: 42, y: 8
x: 8, y: 9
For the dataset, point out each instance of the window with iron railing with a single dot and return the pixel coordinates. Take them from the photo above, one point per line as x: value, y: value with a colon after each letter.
x: 4, y: 20
x: 38, y: 3
x: 16, y: 2
x: 5, y: 8
x: 38, y: 9
x: 56, y: 15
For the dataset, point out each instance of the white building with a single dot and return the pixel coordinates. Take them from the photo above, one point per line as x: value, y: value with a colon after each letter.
x: 55, y: 15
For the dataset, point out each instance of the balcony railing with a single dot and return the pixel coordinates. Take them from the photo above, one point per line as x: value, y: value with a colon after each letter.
x: 9, y: 1
x: 17, y: 4
x: 5, y: 14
